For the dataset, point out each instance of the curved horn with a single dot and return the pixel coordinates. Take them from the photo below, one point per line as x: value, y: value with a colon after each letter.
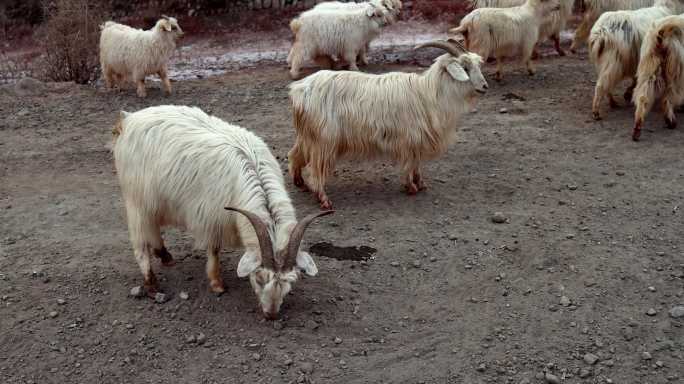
x: 454, y: 49
x: 165, y: 17
x: 298, y: 234
x: 261, y: 231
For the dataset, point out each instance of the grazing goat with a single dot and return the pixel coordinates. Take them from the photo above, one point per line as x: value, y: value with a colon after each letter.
x: 593, y: 9
x: 552, y: 26
x: 180, y: 167
x: 323, y: 34
x: 406, y: 117
x: 660, y: 71
x: 504, y: 32
x: 131, y: 54
x: 614, y: 46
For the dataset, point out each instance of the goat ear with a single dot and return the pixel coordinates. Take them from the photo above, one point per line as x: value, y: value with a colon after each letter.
x: 166, y: 25
x: 457, y: 72
x: 305, y: 262
x: 249, y: 262
x: 370, y: 11
x: 123, y: 114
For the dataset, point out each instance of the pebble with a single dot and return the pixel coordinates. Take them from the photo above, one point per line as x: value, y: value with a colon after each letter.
x: 659, y: 364
x: 551, y: 379
x: 652, y: 289
x: 190, y: 339
x: 337, y: 340
x: 565, y: 301
x: 646, y: 356
x: 160, y: 298
x: 677, y: 312
x: 53, y: 314
x: 183, y: 295
x: 137, y: 292
x: 201, y: 338
x: 584, y: 373
x: 394, y: 263
x: 306, y: 368
x: 256, y: 356
x: 620, y: 173
x: 498, y: 218
x: 416, y: 263
x: 311, y: 325
x: 591, y: 359
x: 503, y: 110
x: 61, y: 301
x: 572, y: 187
x: 651, y: 312
x: 481, y: 368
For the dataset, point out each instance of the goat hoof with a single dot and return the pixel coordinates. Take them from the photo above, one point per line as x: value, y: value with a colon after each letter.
x: 298, y: 181
x: 165, y: 257
x: 411, y: 189
x: 216, y: 287
x: 596, y: 116
x: 562, y: 53
x: 671, y: 124
x: 326, y: 205
x: 636, y: 135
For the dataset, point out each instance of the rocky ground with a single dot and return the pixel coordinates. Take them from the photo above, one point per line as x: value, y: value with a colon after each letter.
x: 548, y: 248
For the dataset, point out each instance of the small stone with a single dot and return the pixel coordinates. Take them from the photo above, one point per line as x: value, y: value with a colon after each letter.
x: 620, y: 173
x: 256, y: 356
x: 416, y: 264
x: 584, y: 373
x: 591, y: 359
x: 652, y: 289
x: 53, y: 314
x: 201, y: 338
x: 394, y: 263
x: 306, y: 368
x: 551, y: 379
x: 481, y: 368
x: 190, y: 339
x: 337, y: 340
x: 572, y: 187
x: 183, y: 295
x: 651, y: 312
x: 311, y: 325
x: 498, y: 218
x: 503, y: 110
x: 565, y: 301
x: 137, y: 292
x: 677, y: 312
x: 433, y: 259
x: 288, y: 361
x: 659, y: 364
x: 278, y: 325
x: 160, y: 298
x: 646, y: 356
x: 570, y: 236
x: 61, y: 301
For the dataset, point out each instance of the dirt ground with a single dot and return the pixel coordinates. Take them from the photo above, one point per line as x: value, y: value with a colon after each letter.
x: 592, y: 242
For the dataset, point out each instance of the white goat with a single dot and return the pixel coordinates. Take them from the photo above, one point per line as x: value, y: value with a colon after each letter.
x: 660, y: 71
x: 614, y: 46
x: 593, y: 9
x: 180, y: 167
x: 504, y: 32
x: 129, y: 54
x: 323, y: 34
x: 552, y: 26
x: 406, y: 117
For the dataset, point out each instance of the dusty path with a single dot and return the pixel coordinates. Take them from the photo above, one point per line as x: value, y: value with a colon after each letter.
x: 594, y: 220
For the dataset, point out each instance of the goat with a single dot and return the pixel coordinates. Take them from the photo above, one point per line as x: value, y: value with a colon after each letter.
x: 552, y: 26
x: 660, y: 71
x: 504, y: 32
x: 593, y: 9
x: 406, y: 117
x: 131, y: 54
x: 324, y: 34
x: 178, y: 166
x: 614, y: 46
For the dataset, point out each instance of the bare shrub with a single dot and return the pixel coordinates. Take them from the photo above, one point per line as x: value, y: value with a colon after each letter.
x: 15, y: 67
x: 69, y: 40
x: 446, y: 10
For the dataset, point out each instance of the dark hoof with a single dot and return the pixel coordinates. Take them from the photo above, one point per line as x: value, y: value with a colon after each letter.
x: 671, y: 124
x: 166, y: 258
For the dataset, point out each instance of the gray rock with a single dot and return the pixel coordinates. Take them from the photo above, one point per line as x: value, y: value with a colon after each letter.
x: 584, y: 373
x: 551, y: 379
x: 29, y: 86
x: 337, y: 340
x: 651, y: 312
x: 183, y: 295
x: 190, y: 339
x: 565, y: 301
x: 646, y: 356
x: 311, y: 325
x: 481, y: 368
x: 498, y: 218
x: 591, y: 359
x: 416, y: 264
x: 53, y: 314
x: 394, y: 263
x: 306, y: 368
x: 201, y: 338
x: 677, y: 312
x: 61, y: 301
x: 503, y: 110
x: 160, y: 298
x: 137, y: 292
x: 256, y: 356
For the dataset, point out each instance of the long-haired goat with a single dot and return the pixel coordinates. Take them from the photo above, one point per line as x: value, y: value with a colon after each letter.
x: 660, y: 71
x: 505, y: 32
x: 131, y: 54
x: 614, y: 46
x: 324, y: 34
x: 180, y: 167
x: 593, y: 9
x: 406, y: 117
x: 552, y: 26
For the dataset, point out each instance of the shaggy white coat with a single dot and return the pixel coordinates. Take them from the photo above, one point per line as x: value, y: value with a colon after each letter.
x: 324, y: 34
x: 180, y: 167
x: 660, y: 71
x: 593, y: 9
x: 550, y: 28
x: 615, y: 45
x: 129, y: 54
x: 505, y: 32
x: 405, y: 117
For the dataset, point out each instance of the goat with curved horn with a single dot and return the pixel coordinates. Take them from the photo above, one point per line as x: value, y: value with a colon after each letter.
x: 297, y: 235
x: 265, y: 244
x: 449, y: 46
